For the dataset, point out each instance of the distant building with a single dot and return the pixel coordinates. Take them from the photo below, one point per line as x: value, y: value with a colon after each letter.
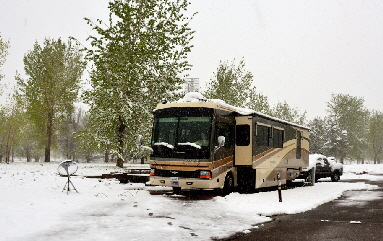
x: 191, y: 85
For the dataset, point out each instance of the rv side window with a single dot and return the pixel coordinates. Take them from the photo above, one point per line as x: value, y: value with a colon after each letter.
x: 263, y: 134
x: 278, y: 138
x: 242, y: 135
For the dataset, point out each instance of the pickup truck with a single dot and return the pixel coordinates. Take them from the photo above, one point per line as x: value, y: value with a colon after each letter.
x: 324, y: 167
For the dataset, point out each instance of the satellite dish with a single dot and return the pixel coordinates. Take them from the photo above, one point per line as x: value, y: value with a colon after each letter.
x: 67, y: 168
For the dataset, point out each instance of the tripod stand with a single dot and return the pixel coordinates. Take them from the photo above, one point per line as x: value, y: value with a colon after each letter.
x: 66, y: 165
x: 67, y: 184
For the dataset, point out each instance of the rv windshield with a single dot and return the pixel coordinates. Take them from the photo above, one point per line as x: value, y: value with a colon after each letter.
x: 182, y: 137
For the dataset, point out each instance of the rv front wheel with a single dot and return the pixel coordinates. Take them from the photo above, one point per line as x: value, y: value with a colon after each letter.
x: 229, y: 184
x: 176, y: 190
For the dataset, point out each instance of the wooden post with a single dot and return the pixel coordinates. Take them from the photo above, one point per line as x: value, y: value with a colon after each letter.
x: 313, y: 176
x: 279, y: 186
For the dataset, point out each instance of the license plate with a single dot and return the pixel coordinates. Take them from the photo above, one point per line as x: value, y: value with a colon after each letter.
x: 174, y: 181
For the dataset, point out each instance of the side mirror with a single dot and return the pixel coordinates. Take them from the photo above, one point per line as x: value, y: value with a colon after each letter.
x: 139, y: 141
x: 139, y: 144
x: 221, y: 141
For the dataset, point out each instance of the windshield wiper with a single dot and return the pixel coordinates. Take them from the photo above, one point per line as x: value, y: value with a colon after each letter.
x: 190, y: 144
x: 170, y: 146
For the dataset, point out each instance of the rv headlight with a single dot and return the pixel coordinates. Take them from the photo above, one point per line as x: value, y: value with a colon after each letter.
x: 205, y: 174
x: 152, y: 172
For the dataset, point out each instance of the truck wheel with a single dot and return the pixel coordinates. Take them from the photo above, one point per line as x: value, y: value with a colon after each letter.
x: 229, y: 184
x: 176, y: 190
x: 309, y: 177
x: 335, y: 177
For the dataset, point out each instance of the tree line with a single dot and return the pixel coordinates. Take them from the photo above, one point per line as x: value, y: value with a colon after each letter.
x: 135, y: 59
x: 348, y: 131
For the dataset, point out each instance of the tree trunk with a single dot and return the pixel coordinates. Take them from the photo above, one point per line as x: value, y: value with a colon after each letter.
x: 49, y: 138
x: 13, y: 154
x: 28, y: 154
x: 8, y: 147
x: 7, y: 153
x: 6, y: 156
x: 106, y: 157
x: 37, y: 158
x: 120, y: 162
x: 88, y: 158
x: 120, y: 135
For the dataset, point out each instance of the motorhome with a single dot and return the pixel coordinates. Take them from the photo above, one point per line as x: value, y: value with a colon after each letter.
x: 209, y: 144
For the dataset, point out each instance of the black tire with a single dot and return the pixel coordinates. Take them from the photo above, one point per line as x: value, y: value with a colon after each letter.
x: 335, y: 177
x: 176, y: 190
x: 228, y: 187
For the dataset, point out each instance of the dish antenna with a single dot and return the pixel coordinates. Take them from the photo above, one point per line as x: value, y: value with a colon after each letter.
x: 67, y: 168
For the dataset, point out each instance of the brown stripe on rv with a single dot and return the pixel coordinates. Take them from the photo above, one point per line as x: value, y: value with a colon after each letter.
x: 222, y: 166
x: 264, y: 156
x: 191, y: 166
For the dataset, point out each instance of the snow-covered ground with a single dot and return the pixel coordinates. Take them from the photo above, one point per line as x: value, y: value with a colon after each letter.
x: 35, y: 207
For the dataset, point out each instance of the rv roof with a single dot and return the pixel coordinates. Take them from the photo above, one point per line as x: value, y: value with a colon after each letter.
x: 195, y: 99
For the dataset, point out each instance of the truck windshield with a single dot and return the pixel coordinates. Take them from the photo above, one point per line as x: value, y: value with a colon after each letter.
x: 182, y: 137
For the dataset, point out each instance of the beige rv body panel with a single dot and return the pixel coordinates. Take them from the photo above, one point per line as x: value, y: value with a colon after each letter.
x: 243, y: 154
x: 282, y: 160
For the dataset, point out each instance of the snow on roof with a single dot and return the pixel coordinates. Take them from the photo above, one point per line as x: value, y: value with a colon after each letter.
x: 198, y: 97
x: 192, y: 97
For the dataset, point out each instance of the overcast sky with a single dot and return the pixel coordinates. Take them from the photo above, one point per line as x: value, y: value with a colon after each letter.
x: 298, y: 51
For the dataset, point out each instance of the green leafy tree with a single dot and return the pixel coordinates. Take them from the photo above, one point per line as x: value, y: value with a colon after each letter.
x: 67, y: 140
x: 318, y: 135
x: 285, y: 112
x: 85, y: 138
x: 11, y: 123
x: 4, y: 46
x: 54, y: 71
x: 2, y: 132
x: 137, y: 58
x: 258, y: 102
x: 327, y: 138
x: 375, y: 136
x: 232, y: 83
x: 28, y: 143
x: 336, y: 140
x: 350, y: 117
